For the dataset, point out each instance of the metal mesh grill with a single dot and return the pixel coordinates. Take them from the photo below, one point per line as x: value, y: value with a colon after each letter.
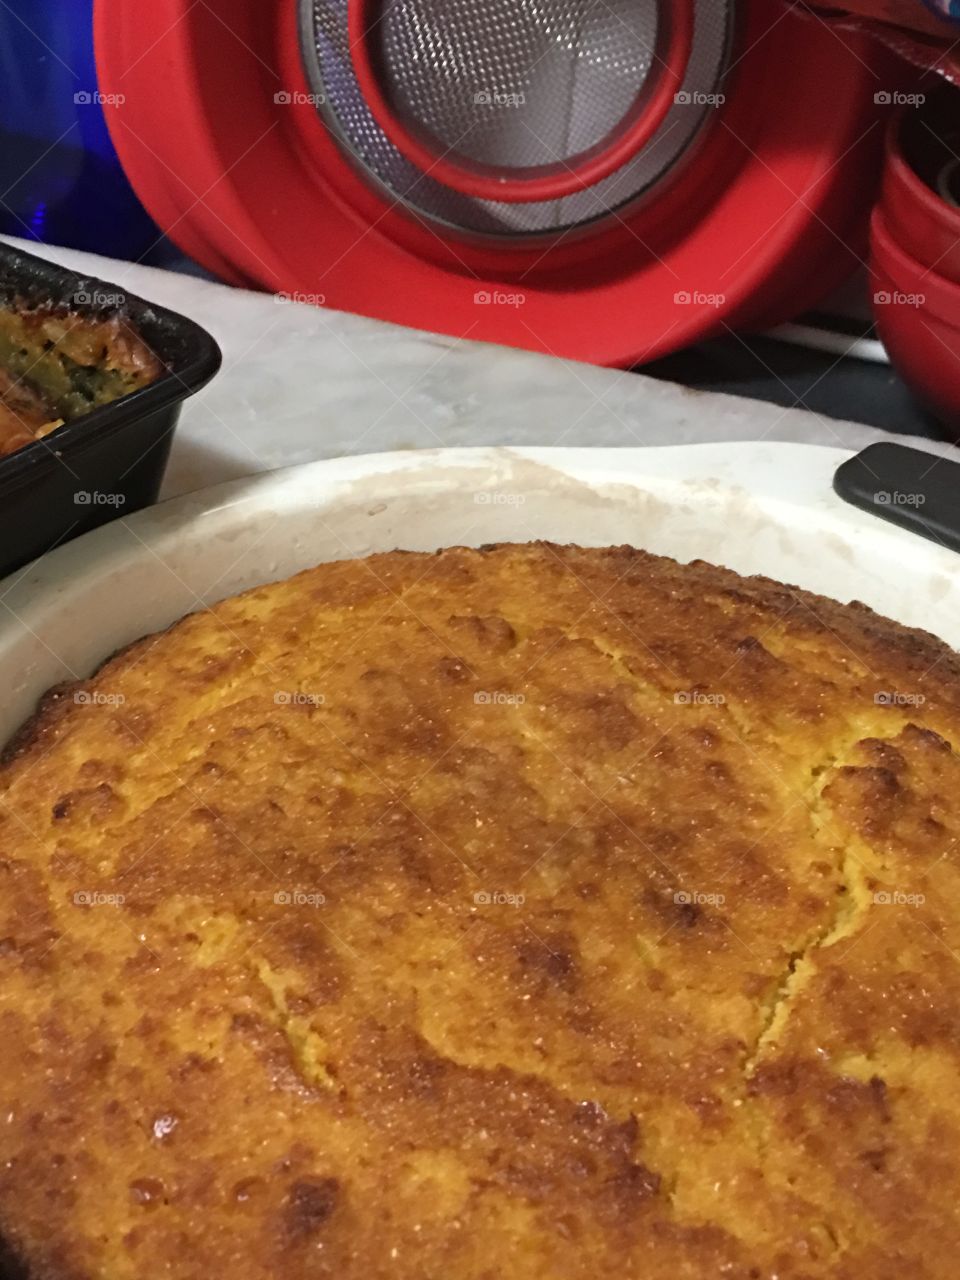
x: 512, y: 84
x: 516, y: 85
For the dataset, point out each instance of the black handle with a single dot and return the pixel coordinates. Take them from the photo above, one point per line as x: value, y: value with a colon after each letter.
x: 916, y: 490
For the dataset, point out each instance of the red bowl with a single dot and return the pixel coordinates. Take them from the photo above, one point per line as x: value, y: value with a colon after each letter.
x: 920, y: 158
x: 918, y: 316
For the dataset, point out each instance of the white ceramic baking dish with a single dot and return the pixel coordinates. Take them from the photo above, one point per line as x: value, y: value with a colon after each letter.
x: 757, y: 508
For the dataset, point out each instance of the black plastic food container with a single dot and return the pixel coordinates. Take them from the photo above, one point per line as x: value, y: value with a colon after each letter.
x: 112, y: 461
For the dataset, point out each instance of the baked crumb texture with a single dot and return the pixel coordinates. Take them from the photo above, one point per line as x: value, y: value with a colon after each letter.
x: 58, y: 365
x: 536, y: 913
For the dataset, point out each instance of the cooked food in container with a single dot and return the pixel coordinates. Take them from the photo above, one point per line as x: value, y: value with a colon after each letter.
x: 92, y: 382
x: 533, y: 912
x: 58, y: 365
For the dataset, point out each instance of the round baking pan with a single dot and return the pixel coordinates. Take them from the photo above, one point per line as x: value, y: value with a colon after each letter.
x: 754, y: 507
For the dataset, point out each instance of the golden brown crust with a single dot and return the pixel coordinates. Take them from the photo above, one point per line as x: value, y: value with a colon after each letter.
x: 538, y: 912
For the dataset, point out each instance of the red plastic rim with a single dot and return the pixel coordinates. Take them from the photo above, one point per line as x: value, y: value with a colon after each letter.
x: 922, y: 221
x: 919, y: 285
x: 934, y: 206
x: 550, y: 182
x: 764, y: 216
x: 918, y: 318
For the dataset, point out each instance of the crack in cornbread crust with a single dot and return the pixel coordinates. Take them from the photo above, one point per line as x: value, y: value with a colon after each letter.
x: 618, y: 1075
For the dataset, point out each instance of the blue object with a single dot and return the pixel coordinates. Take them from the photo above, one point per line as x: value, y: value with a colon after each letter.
x: 60, y: 179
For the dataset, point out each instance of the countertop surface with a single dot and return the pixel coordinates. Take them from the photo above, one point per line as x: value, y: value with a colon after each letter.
x: 301, y: 383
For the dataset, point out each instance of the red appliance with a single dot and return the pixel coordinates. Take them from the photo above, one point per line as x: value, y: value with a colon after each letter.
x: 602, y: 182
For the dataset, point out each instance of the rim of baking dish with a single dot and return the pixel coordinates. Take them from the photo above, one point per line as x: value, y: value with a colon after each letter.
x: 754, y: 506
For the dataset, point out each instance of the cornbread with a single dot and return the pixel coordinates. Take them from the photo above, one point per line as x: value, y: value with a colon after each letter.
x: 533, y: 912
x: 57, y: 365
